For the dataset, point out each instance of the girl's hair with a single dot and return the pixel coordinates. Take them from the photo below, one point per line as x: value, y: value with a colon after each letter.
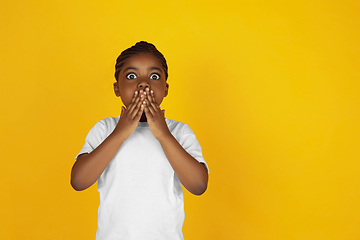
x: 140, y: 47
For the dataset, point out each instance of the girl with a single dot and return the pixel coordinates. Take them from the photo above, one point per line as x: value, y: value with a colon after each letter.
x: 140, y: 159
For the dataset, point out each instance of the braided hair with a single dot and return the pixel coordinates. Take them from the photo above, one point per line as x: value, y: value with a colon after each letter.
x: 140, y: 47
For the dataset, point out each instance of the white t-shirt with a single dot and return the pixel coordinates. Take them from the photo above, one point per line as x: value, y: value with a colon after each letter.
x: 140, y: 194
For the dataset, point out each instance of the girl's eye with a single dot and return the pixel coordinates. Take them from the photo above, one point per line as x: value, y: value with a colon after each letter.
x: 131, y: 76
x: 155, y: 76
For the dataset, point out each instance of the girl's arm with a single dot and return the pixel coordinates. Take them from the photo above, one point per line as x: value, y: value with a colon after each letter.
x: 88, y: 167
x: 192, y: 174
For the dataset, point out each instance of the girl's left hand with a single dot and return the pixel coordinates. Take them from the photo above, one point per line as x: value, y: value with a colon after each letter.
x: 155, y: 116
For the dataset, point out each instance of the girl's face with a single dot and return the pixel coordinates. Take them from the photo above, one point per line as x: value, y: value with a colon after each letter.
x: 139, y: 72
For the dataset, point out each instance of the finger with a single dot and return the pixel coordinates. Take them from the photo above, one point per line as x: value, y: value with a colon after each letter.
x: 133, y: 100
x: 137, y: 109
x: 153, y: 100
x: 146, y: 105
x: 151, y: 97
x: 151, y: 107
x: 147, y: 94
x: 135, y: 104
x: 150, y: 100
x: 139, y: 113
x: 146, y: 111
x: 136, y: 93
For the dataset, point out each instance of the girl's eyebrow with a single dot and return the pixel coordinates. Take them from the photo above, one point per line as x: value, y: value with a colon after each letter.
x: 135, y: 69
x: 154, y: 68
x: 130, y: 68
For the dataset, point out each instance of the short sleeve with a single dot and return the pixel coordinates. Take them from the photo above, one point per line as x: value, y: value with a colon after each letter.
x: 191, y: 145
x: 94, y: 138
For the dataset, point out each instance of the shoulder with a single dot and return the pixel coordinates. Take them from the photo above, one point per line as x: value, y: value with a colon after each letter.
x: 174, y: 125
x: 104, y: 127
x: 109, y: 121
x: 178, y: 128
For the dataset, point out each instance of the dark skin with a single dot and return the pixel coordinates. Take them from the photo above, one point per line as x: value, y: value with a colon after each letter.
x: 142, y: 87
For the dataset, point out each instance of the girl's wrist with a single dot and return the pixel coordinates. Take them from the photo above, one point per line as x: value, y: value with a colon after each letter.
x: 118, y: 136
x: 165, y: 137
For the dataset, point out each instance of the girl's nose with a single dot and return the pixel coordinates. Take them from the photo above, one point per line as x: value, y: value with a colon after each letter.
x: 143, y: 85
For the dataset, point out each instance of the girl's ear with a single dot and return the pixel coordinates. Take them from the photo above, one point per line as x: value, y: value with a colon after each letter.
x: 116, y: 89
x: 166, y: 89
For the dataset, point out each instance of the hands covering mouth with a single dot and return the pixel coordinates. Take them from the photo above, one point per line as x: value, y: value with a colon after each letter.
x: 143, y: 102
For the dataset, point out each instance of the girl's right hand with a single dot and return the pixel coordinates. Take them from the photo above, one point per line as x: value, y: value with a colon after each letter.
x: 130, y: 116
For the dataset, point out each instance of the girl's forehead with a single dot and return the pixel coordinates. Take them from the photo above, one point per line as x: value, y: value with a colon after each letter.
x: 143, y: 59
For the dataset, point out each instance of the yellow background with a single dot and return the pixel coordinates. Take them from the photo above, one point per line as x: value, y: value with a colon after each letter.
x: 271, y: 89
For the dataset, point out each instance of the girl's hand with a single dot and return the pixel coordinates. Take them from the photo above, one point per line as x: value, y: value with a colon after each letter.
x: 130, y: 116
x: 155, y: 116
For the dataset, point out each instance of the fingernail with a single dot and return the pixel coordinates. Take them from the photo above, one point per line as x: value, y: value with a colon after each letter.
x: 152, y: 91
